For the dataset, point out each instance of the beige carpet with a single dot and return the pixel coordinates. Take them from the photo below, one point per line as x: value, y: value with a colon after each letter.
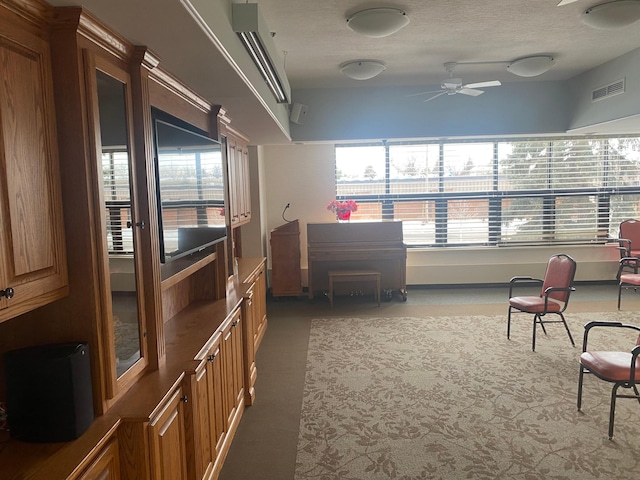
x: 452, y: 398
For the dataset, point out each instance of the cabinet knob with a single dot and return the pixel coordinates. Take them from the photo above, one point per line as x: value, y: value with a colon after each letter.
x: 211, y: 357
x: 7, y: 292
x: 184, y: 399
x: 138, y: 224
x: 234, y: 324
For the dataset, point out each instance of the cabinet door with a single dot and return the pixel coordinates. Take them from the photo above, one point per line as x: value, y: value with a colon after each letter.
x: 32, y: 255
x: 106, y: 466
x: 205, y: 420
x: 239, y: 185
x: 200, y: 453
x: 260, y: 308
x: 231, y: 349
x: 248, y: 336
x: 167, y: 440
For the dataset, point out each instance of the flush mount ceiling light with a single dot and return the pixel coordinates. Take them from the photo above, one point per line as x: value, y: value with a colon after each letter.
x: 531, y: 66
x: 362, y: 69
x: 612, y: 15
x: 377, y: 22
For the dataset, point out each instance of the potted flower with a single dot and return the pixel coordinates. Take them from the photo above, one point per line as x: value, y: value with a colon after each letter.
x: 342, y: 209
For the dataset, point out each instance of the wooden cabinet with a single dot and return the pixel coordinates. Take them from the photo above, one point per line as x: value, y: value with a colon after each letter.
x: 167, y: 440
x: 205, y: 418
x: 286, y: 276
x: 232, y: 366
x: 239, y: 183
x: 254, y: 313
x: 106, y: 466
x: 33, y: 268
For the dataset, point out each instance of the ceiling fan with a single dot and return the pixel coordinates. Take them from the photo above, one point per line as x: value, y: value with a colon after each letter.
x: 453, y: 86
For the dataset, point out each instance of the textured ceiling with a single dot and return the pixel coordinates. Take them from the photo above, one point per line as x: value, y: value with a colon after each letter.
x: 316, y: 40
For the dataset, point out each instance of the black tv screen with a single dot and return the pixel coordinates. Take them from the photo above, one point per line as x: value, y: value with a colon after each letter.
x: 190, y: 179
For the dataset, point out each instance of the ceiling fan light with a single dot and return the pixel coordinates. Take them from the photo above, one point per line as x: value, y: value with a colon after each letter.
x: 377, y: 22
x: 531, y: 66
x: 362, y: 69
x: 612, y: 15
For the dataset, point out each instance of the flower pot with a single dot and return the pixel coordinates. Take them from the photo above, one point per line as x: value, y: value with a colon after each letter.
x: 344, y: 215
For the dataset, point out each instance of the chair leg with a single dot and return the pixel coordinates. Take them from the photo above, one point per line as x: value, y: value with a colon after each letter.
x: 619, y: 293
x: 509, y: 323
x: 567, y: 328
x: 533, y: 338
x: 612, y: 411
x: 580, y: 381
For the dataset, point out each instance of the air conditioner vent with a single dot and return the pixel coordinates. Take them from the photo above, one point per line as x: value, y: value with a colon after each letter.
x: 614, y: 88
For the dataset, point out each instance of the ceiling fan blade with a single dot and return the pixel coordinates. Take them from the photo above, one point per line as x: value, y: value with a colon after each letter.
x: 492, y: 83
x: 470, y: 91
x: 566, y: 2
x: 435, y: 96
x: 423, y: 93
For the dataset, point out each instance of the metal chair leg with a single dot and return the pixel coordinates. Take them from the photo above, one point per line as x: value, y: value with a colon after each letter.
x: 509, y: 323
x: 612, y: 411
x: 533, y: 340
x: 580, y: 382
x: 567, y: 329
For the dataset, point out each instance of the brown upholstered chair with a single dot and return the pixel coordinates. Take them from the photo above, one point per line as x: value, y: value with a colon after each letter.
x: 618, y: 368
x: 628, y: 276
x: 629, y: 238
x: 557, y: 286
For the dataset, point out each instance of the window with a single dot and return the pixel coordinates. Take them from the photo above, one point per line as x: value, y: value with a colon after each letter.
x: 500, y: 192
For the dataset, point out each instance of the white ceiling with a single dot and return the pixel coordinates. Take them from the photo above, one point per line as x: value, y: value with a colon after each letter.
x: 314, y: 40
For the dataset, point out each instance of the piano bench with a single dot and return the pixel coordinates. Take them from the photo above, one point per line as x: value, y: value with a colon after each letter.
x: 344, y: 276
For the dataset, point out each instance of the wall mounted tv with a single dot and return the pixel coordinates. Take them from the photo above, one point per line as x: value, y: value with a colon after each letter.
x: 191, y: 194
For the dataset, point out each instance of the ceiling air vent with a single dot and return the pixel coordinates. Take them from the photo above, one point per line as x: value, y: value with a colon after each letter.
x: 614, y: 88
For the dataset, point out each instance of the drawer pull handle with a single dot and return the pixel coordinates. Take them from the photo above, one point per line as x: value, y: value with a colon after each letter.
x: 184, y: 399
x: 7, y: 292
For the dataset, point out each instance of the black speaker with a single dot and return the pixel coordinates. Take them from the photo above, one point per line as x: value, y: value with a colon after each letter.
x: 49, y: 396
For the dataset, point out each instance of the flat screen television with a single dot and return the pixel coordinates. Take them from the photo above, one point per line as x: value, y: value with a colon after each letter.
x: 191, y: 191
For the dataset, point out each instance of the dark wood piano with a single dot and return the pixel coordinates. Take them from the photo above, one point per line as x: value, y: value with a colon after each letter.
x: 357, y: 246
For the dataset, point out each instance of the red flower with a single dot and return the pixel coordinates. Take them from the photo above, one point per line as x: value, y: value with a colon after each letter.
x: 341, y: 209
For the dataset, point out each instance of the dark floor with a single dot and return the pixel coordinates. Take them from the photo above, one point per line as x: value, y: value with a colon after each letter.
x: 265, y: 444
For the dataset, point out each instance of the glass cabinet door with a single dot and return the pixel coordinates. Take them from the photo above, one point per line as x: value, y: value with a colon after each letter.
x: 123, y: 325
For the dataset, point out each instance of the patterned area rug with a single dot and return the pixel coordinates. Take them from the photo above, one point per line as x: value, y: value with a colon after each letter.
x: 452, y: 398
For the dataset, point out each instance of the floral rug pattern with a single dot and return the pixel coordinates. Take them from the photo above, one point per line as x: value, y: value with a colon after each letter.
x: 452, y: 398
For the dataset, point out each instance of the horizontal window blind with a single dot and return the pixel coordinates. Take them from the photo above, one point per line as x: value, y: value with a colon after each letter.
x: 117, y: 199
x: 500, y: 192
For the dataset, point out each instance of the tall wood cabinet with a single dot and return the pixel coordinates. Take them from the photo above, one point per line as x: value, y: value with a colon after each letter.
x: 33, y: 269
x: 173, y: 411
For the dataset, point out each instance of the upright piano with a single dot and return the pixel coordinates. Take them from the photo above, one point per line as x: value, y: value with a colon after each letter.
x: 375, y: 246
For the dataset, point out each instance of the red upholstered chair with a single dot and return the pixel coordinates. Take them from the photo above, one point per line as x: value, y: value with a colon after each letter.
x: 629, y: 238
x: 628, y: 275
x: 618, y: 368
x: 557, y: 286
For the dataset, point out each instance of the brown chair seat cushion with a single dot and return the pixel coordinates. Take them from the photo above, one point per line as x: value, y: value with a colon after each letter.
x: 611, y: 366
x: 630, y: 278
x: 533, y: 304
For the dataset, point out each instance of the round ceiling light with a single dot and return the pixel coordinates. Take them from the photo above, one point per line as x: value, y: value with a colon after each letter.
x: 377, y: 22
x: 531, y: 66
x: 612, y: 15
x: 362, y: 69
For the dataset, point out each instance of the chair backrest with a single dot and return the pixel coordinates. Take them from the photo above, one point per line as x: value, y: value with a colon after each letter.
x: 630, y: 230
x: 560, y: 272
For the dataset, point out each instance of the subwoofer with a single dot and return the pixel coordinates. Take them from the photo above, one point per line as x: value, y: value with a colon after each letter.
x: 49, y: 395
